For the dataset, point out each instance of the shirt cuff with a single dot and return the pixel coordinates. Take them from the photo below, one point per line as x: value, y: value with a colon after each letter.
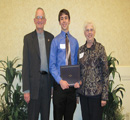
x: 58, y: 80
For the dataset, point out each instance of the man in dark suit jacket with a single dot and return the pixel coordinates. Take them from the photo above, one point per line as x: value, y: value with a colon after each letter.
x: 35, y: 72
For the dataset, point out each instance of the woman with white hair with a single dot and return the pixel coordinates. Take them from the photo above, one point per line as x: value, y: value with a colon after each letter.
x: 94, y: 74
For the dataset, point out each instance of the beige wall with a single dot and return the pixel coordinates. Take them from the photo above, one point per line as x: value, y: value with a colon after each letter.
x: 125, y: 80
x: 112, y: 19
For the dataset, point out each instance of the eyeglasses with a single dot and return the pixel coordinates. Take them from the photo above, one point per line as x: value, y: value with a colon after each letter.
x: 40, y: 17
x: 91, y: 30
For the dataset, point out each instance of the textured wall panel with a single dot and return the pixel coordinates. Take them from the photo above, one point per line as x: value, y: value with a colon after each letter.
x: 112, y: 19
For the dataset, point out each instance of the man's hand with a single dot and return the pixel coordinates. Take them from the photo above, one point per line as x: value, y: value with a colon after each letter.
x: 103, y: 103
x: 27, y: 97
x: 64, y: 84
x: 76, y: 85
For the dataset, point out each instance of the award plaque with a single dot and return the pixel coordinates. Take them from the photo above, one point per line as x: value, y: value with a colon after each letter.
x: 70, y: 73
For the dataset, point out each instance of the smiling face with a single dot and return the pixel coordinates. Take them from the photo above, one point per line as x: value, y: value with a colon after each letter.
x: 40, y: 20
x: 89, y: 33
x: 64, y: 22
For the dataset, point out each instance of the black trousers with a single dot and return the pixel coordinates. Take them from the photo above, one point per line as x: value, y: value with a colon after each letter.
x: 42, y: 104
x: 64, y: 102
x: 91, y: 107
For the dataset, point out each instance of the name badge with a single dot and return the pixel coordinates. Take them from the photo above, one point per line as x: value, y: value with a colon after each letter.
x: 81, y: 55
x: 62, y: 46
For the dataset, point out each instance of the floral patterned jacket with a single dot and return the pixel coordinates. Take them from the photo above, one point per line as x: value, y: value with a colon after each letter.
x: 94, y: 70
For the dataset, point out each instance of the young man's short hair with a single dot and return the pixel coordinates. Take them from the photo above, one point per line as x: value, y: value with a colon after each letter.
x: 63, y: 11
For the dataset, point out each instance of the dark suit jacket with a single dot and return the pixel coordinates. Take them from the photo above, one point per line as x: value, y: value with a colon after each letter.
x: 31, y: 62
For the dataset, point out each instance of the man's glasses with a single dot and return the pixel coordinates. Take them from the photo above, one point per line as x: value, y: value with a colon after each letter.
x: 91, y: 30
x: 40, y: 17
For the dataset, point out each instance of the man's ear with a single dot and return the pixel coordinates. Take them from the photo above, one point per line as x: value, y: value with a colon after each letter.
x: 59, y: 23
x: 45, y: 21
x: 34, y: 20
x: 69, y: 21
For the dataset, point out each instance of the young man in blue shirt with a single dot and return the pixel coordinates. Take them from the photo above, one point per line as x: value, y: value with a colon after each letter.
x: 64, y: 96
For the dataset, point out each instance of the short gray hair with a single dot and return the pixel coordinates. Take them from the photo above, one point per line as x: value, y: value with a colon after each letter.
x: 39, y: 8
x: 88, y: 23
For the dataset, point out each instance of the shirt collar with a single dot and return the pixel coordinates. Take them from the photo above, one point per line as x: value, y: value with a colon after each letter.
x: 92, y: 47
x: 64, y: 34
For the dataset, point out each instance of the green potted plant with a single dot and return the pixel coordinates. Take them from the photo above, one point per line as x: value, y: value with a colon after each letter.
x: 12, y: 104
x: 113, y: 108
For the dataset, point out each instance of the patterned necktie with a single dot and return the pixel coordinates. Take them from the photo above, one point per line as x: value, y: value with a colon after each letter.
x: 68, y: 52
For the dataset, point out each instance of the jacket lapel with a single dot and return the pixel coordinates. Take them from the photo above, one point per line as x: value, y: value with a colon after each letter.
x: 47, y: 43
x: 36, y: 44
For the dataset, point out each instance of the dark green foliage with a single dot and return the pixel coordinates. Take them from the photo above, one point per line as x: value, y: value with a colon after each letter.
x: 112, y: 110
x: 12, y: 104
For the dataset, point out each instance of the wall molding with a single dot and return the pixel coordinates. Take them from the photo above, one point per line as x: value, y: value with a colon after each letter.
x: 124, y: 72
